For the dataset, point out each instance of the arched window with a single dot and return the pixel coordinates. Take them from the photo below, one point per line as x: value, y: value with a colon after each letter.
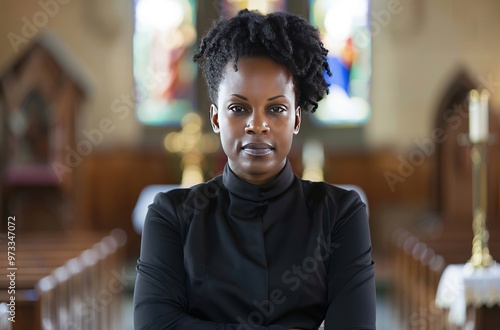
x: 344, y: 25
x: 164, y: 38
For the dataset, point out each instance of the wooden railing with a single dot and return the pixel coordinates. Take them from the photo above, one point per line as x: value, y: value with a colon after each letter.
x: 68, y: 280
x: 418, y: 264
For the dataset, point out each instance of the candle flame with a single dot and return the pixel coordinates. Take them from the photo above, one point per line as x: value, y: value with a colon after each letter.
x: 473, y: 95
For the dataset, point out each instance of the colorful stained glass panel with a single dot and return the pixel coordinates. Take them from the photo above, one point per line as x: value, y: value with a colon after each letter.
x: 344, y: 25
x: 165, y: 32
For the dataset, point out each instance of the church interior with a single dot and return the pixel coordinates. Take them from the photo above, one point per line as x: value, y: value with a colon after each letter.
x: 101, y: 107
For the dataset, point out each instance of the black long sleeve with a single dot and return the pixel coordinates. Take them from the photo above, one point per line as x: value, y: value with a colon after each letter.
x: 160, y: 291
x: 230, y: 255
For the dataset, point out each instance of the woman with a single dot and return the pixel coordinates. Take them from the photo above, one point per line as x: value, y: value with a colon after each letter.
x: 257, y: 247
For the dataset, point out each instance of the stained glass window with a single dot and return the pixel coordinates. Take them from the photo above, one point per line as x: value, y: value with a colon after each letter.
x: 231, y: 7
x: 344, y: 26
x: 164, y: 38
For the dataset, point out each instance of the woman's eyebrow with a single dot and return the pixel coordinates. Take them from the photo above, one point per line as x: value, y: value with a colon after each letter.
x: 276, y: 97
x: 240, y: 96
x: 269, y: 99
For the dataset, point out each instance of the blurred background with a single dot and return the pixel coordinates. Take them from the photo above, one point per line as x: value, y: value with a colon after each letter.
x: 100, y: 100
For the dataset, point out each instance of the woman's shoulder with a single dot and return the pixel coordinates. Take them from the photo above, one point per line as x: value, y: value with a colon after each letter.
x: 338, y: 199
x: 183, y: 202
x: 206, y: 189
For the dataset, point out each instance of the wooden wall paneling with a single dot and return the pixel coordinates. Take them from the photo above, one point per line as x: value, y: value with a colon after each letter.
x: 113, y: 181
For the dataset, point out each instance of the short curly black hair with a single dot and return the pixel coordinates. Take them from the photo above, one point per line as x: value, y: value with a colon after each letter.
x: 286, y: 38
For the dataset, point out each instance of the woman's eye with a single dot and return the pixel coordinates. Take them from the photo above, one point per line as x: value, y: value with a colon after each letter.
x: 277, y: 109
x: 236, y: 108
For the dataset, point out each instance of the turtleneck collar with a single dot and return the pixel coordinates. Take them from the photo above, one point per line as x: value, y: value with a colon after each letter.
x: 254, y: 192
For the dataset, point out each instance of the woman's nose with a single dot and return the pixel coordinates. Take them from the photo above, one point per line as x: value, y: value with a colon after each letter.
x: 257, y: 126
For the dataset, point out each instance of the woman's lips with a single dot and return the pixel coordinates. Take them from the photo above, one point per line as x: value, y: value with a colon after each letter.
x: 257, y: 149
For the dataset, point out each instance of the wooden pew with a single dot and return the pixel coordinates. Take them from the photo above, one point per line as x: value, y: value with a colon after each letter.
x: 418, y: 266
x: 399, y: 238
x: 57, y: 273
x: 406, y: 279
x: 47, y: 306
x: 417, y: 271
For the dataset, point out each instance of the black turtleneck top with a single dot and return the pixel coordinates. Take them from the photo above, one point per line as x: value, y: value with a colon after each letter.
x: 227, y: 254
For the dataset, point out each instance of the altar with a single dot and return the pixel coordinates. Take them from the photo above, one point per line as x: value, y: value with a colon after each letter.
x: 472, y: 296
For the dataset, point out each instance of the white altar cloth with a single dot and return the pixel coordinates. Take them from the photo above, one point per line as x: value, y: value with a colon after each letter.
x: 462, y: 286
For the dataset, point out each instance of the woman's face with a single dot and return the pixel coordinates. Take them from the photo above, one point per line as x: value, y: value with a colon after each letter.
x: 256, y: 117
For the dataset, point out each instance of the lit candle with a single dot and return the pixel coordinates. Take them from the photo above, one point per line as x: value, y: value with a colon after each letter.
x: 474, y: 116
x: 483, y: 110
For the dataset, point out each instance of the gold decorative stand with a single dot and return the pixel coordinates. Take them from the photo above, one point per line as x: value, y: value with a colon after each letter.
x: 479, y: 137
x: 481, y: 257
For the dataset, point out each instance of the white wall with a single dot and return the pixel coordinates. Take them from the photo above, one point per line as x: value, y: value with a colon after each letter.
x: 421, y: 45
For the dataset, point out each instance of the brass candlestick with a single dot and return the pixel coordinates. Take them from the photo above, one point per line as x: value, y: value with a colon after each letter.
x: 481, y: 257
x: 479, y: 137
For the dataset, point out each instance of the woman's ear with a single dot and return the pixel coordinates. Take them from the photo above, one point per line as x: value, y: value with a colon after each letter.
x: 214, y: 118
x: 298, y: 120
